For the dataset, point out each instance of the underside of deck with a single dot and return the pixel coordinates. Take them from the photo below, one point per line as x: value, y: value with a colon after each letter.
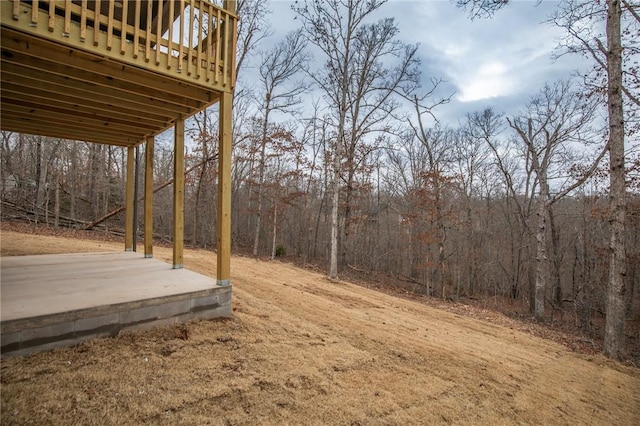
x: 50, y: 89
x: 51, y: 301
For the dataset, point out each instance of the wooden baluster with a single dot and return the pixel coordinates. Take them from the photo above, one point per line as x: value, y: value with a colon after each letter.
x: 159, y: 31
x: 136, y: 30
x: 170, y: 44
x: 181, y: 45
x: 16, y: 10
x: 52, y: 15
x: 34, y: 13
x: 83, y: 21
x: 217, y: 47
x: 124, y: 26
x: 234, y: 39
x: 200, y: 40
x: 67, y: 18
x: 192, y: 10
x: 225, y: 50
x: 96, y: 23
x: 209, y: 47
x: 110, y: 25
x: 147, y: 52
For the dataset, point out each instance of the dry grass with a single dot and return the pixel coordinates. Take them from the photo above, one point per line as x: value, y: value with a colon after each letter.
x: 302, y: 350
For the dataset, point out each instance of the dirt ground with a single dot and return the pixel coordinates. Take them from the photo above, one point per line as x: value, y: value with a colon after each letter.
x: 303, y: 350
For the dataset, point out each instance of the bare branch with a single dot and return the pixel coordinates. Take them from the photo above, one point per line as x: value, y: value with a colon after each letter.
x: 632, y: 9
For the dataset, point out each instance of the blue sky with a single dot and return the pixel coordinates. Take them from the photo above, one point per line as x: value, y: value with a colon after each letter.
x: 497, y: 62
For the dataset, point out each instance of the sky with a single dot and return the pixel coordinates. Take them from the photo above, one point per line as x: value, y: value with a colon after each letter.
x: 499, y: 62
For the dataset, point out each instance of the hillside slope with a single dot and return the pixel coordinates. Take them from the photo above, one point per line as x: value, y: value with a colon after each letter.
x: 303, y: 350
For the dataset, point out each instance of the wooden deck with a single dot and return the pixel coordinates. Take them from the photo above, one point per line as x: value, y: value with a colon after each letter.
x: 50, y: 301
x: 119, y: 73
x: 112, y: 72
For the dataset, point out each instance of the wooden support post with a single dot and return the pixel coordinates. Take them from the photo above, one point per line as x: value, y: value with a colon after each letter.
x: 135, y: 199
x: 129, y: 200
x: 148, y: 197
x: 178, y: 195
x: 224, y: 192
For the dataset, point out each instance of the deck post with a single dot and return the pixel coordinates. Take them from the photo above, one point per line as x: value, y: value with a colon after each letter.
x: 224, y: 192
x: 136, y: 179
x: 148, y: 197
x: 129, y: 200
x: 178, y: 195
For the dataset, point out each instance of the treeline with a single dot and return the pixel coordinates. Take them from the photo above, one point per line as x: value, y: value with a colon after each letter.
x: 465, y: 229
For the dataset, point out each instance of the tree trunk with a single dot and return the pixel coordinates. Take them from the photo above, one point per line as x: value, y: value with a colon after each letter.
x: 442, y: 237
x: 93, y: 178
x: 261, y: 169
x: 56, y: 221
x: 346, y: 228
x: 46, y: 207
x: 541, y: 261
x: 471, y: 249
x: 204, y: 135
x: 41, y: 175
x: 275, y: 229
x: 556, y: 260
x: 335, y: 198
x: 614, y: 328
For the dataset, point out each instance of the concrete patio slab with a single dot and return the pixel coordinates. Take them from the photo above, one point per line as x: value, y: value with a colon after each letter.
x: 58, y: 300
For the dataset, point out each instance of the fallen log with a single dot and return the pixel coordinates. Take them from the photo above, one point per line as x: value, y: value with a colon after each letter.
x: 164, y: 185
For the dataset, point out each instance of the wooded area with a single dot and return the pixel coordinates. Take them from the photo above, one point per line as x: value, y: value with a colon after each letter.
x: 509, y: 207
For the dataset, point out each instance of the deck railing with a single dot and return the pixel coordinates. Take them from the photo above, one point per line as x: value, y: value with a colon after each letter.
x: 194, y: 38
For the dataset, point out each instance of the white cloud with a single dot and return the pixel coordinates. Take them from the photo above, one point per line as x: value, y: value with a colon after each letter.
x: 490, y: 81
x: 500, y: 61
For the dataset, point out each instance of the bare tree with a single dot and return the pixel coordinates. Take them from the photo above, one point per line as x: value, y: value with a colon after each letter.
x: 614, y: 79
x: 407, y: 160
x: 481, y: 8
x: 555, y: 118
x: 277, y: 69
x: 437, y: 144
x: 419, y: 166
x: 471, y: 159
x: 357, y: 83
x: 518, y: 187
x: 203, y: 130
x: 609, y: 57
x: 614, y: 327
x: 253, y: 27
